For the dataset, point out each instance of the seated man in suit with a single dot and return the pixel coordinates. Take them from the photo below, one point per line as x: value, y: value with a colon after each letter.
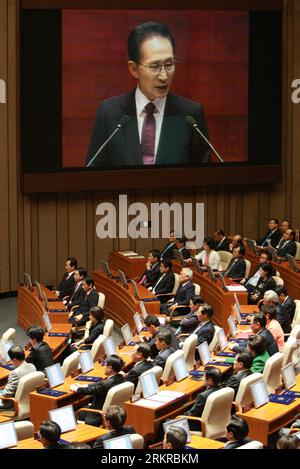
x: 183, y: 295
x: 287, y: 302
x: 157, y: 132
x: 284, y: 225
x: 237, y: 266
x: 152, y: 274
x: 49, y: 435
x: 114, y: 420
x: 78, y: 293
x: 250, y: 283
x: 163, y: 341
x: 40, y: 354
x: 154, y: 327
x: 175, y: 438
x: 66, y: 286
x: 258, y: 327
x: 168, y: 251
x: 22, y: 368
x: 237, y: 433
x: 271, y: 298
x: 237, y: 240
x: 221, y: 242
x: 180, y: 246
x: 166, y: 281
x: 190, y: 322
x: 287, y: 245
x: 242, y: 364
x: 99, y: 390
x: 273, y: 235
x: 80, y: 315
x: 204, y: 330
x: 213, y: 379
x: 140, y: 357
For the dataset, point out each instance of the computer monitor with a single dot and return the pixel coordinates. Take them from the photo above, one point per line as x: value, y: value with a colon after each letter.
x: 181, y: 423
x: 5, y: 348
x: 121, y: 442
x: 232, y: 326
x: 211, y: 273
x: 45, y: 300
x: 196, y: 264
x: 27, y: 280
x: 180, y: 369
x: 105, y: 268
x: 39, y: 291
x: 162, y: 320
x: 237, y: 308
x: 138, y: 322
x: 54, y: 375
x: 86, y: 361
x: 143, y: 309
x: 127, y: 334
x: 64, y: 417
x: 204, y: 353
x: 122, y: 277
x: 289, y: 376
x: 109, y: 346
x: 222, y: 339
x: 47, y: 322
x: 259, y: 393
x: 8, y: 435
x: 149, y: 384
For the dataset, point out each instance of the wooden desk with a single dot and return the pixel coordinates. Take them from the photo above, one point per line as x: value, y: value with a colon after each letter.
x: 82, y: 434
x: 199, y: 442
x: 4, y: 419
x: 270, y: 417
x: 130, y: 265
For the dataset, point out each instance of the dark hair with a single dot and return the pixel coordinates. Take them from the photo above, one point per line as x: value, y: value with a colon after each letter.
x: 177, y: 436
x: 97, y: 313
x: 72, y: 261
x: 282, y: 291
x: 116, y: 416
x: 76, y: 445
x: 210, y: 242
x: 275, y: 220
x: 238, y: 427
x: 287, y: 442
x: 36, y: 332
x: 82, y: 271
x: 144, y: 350
x: 115, y: 362
x: 220, y: 231
x: 268, y: 254
x: 51, y: 431
x: 16, y: 352
x: 89, y: 281
x: 246, y: 358
x: 155, y: 253
x: 241, y: 248
x: 293, y: 233
x: 267, y: 268
x: 182, y: 240
x: 151, y: 321
x: 197, y: 300
x: 167, y: 263
x: 145, y: 31
x: 270, y: 310
x: 213, y: 373
x: 164, y: 335
x: 261, y: 319
x: 207, y: 309
x: 257, y: 344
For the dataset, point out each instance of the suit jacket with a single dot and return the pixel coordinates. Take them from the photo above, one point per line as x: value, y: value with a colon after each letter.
x: 14, y: 378
x: 161, y: 358
x: 237, y: 444
x: 289, y: 307
x: 206, y: 333
x: 76, y: 298
x: 189, y: 323
x: 236, y: 268
x: 186, y: 253
x: 179, y: 143
x: 87, y: 303
x: 260, y: 289
x: 66, y: 286
x: 99, y: 390
x: 94, y: 333
x: 273, y: 273
x: 184, y: 293
x: 290, y: 248
x: 271, y: 344
x: 168, y: 251
x: 199, y: 405
x: 274, y: 238
x: 283, y: 318
x: 174, y: 342
x: 223, y: 246
x: 41, y: 356
x: 235, y: 380
x: 134, y: 374
x: 113, y: 434
x: 166, y: 284
x: 152, y: 275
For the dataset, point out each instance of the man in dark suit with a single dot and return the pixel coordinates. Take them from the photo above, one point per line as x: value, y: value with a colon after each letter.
x: 66, y: 286
x: 78, y: 293
x: 222, y: 243
x: 114, y: 419
x: 154, y: 327
x: 180, y: 246
x: 271, y: 298
x: 168, y: 251
x: 49, y: 435
x: 166, y: 281
x: 156, y: 133
x: 237, y: 266
x: 273, y: 235
x: 79, y: 316
x: 204, y: 329
x: 287, y: 245
x: 287, y: 302
x: 242, y: 365
x: 236, y: 432
x: 163, y: 342
x: 152, y: 274
x: 189, y: 323
x: 140, y: 356
x: 182, y: 296
x: 99, y: 390
x: 40, y: 354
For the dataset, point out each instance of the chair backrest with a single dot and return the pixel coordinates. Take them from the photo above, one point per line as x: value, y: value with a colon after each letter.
x: 189, y: 347
x: 297, y: 255
x: 288, y: 350
x: 217, y: 412
x: 197, y: 289
x: 70, y: 363
x: 244, y: 394
x: 101, y: 300
x: 87, y: 330
x: 176, y: 284
x: 296, y: 319
x: 24, y: 430
x: 272, y: 372
x: 252, y: 445
x: 118, y: 395
x: 225, y: 257
x: 26, y: 385
x: 8, y: 335
x: 295, y: 332
x: 108, y: 327
x: 157, y: 370
x: 248, y: 268
x: 96, y: 347
x: 214, y: 341
x: 278, y: 280
x: 168, y: 372
x: 137, y: 441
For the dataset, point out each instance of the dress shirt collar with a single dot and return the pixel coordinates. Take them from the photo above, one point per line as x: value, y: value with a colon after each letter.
x: 141, y: 101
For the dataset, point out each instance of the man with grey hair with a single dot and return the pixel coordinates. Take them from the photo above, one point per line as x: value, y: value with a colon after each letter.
x: 183, y: 295
x: 271, y: 298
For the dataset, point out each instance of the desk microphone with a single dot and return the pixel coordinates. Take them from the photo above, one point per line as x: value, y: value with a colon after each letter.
x: 122, y: 122
x: 191, y: 122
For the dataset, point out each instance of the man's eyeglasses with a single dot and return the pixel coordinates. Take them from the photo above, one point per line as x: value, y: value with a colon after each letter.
x: 156, y: 69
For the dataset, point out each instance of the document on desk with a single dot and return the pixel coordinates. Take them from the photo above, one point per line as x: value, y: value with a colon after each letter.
x: 128, y: 253
x: 236, y: 288
x: 148, y: 403
x: 165, y: 396
x: 136, y: 257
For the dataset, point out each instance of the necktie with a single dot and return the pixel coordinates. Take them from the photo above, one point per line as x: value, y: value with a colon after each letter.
x: 148, y: 135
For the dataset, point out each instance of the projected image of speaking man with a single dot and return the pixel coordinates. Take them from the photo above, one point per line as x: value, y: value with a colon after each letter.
x: 153, y: 129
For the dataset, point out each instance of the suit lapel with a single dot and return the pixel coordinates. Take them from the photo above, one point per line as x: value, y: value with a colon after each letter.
x: 130, y: 131
x: 169, y: 129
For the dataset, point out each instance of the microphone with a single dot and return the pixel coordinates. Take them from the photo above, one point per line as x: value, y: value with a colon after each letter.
x: 122, y: 122
x: 191, y: 122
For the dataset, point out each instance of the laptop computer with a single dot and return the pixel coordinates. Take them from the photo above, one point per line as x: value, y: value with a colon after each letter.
x: 222, y: 339
x: 47, y: 321
x: 121, y: 442
x: 64, y: 417
x: 109, y: 347
x: 138, y: 322
x: 149, y: 385
x: 180, y: 369
x: 5, y: 348
x: 232, y: 326
x: 259, y: 393
x: 86, y: 361
x: 204, y: 353
x: 143, y: 310
x: 289, y: 376
x: 127, y: 335
x: 292, y: 262
x: 54, y: 375
x: 181, y: 423
x: 8, y: 435
x: 251, y: 243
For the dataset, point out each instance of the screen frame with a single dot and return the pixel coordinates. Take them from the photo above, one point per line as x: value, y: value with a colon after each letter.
x: 59, y: 409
